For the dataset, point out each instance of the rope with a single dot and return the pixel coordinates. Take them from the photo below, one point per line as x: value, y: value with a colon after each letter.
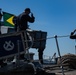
x: 44, y: 39
x: 52, y: 37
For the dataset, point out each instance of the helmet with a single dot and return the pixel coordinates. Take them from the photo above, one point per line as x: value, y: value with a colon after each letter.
x: 27, y: 9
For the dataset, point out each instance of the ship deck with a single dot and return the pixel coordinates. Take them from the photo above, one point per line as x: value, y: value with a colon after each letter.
x: 58, y: 71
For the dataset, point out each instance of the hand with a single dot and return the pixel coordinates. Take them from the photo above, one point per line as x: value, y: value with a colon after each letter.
x: 32, y: 15
x: 74, y: 30
x: 72, y: 33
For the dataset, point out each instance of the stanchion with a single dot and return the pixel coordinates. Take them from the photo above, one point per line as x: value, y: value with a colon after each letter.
x: 26, y: 43
x: 18, y: 43
x: 59, y: 54
x: 18, y: 57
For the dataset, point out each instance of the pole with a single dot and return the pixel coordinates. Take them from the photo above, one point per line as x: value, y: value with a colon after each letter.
x: 27, y: 45
x: 18, y: 47
x: 59, y: 54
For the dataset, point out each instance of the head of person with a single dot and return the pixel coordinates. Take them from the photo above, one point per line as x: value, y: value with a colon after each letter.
x: 27, y: 11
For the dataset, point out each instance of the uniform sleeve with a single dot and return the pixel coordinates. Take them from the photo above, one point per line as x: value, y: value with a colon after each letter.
x: 31, y: 19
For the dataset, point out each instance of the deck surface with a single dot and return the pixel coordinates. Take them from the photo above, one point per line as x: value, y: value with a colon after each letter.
x: 58, y: 71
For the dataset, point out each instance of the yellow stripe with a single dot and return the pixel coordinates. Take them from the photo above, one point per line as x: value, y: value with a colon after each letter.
x: 10, y: 20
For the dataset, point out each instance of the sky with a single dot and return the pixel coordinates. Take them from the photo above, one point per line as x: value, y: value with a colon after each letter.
x: 56, y: 17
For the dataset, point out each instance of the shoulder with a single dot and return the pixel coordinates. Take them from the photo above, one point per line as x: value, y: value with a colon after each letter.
x: 22, y: 14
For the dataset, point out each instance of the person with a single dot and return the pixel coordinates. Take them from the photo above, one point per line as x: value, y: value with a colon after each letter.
x: 22, y: 23
x: 23, y: 19
x: 72, y: 35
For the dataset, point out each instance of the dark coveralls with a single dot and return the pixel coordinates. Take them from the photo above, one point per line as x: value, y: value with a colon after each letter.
x: 22, y: 24
x: 23, y: 20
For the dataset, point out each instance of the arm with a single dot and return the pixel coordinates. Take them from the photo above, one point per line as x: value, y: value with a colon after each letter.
x: 32, y: 18
x: 72, y: 35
